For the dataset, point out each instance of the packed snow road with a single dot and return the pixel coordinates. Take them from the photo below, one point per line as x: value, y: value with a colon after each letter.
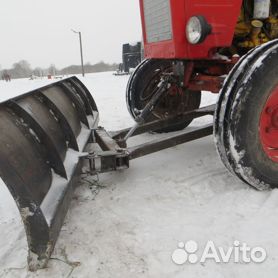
x: 128, y: 224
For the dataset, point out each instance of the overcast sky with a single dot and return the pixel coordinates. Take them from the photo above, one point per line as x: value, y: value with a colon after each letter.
x: 39, y: 31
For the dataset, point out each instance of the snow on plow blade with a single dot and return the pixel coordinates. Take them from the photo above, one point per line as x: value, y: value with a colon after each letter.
x: 42, y: 136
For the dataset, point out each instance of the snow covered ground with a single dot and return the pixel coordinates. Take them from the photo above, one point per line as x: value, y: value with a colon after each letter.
x: 128, y: 223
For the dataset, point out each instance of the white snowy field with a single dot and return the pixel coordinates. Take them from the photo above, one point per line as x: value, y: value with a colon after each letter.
x: 129, y: 223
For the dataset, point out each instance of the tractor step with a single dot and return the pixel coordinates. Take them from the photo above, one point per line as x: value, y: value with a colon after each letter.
x: 49, y: 137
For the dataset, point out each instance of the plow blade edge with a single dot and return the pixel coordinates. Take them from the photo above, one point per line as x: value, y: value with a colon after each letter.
x: 42, y: 136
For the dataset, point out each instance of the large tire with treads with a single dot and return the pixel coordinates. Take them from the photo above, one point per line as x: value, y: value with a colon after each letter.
x: 246, y: 118
x: 145, y: 79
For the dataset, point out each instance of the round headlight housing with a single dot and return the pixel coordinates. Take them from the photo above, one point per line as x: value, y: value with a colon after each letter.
x: 197, y: 29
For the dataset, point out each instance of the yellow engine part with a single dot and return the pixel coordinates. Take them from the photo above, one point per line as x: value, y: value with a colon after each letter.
x: 243, y: 28
x: 273, y: 23
x: 252, y: 30
x: 257, y: 37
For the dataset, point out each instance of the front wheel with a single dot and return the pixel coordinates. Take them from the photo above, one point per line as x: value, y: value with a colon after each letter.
x: 177, y: 100
x: 246, y: 119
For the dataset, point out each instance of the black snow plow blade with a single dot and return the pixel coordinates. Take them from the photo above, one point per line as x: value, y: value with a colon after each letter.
x: 49, y: 136
x: 43, y: 135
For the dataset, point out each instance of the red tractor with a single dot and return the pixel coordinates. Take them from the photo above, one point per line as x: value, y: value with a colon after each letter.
x: 221, y: 46
x: 51, y: 135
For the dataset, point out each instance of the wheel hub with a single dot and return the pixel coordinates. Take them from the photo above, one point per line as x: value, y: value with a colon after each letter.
x: 171, y: 104
x: 269, y: 126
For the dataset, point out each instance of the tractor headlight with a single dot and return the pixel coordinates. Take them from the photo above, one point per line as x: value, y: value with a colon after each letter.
x: 197, y: 29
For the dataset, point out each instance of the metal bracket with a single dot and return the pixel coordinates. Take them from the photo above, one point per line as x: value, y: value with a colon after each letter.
x: 106, y: 153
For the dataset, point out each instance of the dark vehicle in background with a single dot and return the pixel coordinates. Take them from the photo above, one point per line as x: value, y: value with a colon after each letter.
x: 132, y: 57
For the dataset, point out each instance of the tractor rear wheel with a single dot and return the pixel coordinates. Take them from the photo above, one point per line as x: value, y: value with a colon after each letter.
x: 246, y: 118
x: 177, y: 100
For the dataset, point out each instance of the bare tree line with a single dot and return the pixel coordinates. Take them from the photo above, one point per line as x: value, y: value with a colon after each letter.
x: 23, y: 69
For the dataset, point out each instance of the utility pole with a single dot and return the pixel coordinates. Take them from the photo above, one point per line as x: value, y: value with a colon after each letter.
x: 81, y: 50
